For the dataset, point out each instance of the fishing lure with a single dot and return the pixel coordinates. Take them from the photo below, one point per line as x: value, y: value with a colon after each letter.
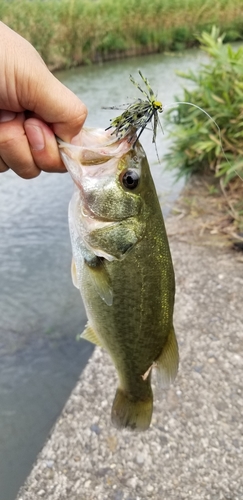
x: 138, y: 115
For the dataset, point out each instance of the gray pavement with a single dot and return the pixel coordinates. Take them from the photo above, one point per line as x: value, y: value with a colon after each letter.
x: 194, y: 447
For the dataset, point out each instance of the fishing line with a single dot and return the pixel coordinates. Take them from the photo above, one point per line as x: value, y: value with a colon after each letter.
x: 173, y: 105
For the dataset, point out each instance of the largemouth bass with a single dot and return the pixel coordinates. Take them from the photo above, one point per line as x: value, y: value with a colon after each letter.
x: 122, y: 267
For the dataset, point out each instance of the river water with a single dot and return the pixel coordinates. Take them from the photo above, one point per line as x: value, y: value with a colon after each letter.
x: 40, y: 311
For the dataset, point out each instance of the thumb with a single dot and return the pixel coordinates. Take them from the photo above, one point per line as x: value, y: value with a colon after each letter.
x: 27, y: 84
x: 58, y: 106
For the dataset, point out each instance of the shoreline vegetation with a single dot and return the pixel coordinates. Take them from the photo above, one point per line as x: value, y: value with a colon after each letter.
x: 70, y: 33
x: 208, y: 137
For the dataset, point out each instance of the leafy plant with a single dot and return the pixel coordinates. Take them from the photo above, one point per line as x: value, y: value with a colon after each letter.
x: 207, y: 136
x: 201, y: 143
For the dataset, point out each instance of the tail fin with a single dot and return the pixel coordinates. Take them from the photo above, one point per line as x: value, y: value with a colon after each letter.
x: 126, y: 412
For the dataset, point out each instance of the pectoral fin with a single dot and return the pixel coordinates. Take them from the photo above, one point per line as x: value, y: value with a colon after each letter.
x: 90, y: 335
x: 101, y: 281
x: 167, y: 363
x: 98, y: 274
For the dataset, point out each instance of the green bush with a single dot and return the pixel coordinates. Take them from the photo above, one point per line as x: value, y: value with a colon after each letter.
x: 197, y: 145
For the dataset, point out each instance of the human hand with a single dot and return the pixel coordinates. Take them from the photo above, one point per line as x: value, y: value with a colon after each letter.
x: 34, y: 107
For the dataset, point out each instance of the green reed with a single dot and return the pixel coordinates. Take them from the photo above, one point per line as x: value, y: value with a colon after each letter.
x: 73, y: 32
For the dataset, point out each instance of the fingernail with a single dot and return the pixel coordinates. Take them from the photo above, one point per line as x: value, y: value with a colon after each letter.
x: 7, y: 116
x: 35, y: 137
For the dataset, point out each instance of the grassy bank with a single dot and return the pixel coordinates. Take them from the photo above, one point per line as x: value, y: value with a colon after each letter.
x: 73, y: 32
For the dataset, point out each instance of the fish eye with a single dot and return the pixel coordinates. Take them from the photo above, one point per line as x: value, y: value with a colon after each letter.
x: 130, y: 179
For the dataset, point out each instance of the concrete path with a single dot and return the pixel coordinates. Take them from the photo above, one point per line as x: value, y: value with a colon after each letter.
x: 194, y: 448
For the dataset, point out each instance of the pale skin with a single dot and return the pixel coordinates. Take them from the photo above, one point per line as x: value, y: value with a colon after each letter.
x: 34, y: 107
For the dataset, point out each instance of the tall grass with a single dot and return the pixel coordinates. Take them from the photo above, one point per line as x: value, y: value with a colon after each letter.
x: 72, y: 32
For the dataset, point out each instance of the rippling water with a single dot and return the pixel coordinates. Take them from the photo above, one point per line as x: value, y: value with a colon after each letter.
x: 40, y: 310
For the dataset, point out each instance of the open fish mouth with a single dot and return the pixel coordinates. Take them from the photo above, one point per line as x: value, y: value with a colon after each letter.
x: 98, y: 145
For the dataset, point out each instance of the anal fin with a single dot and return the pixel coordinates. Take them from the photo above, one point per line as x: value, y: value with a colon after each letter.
x: 168, y: 361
